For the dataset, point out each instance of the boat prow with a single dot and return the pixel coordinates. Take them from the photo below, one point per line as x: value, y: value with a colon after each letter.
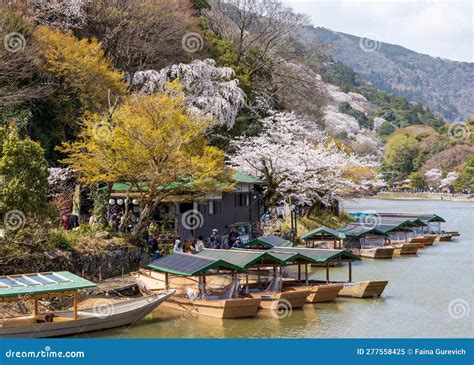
x: 90, y: 319
x: 364, y: 289
x: 406, y: 249
x: 377, y: 252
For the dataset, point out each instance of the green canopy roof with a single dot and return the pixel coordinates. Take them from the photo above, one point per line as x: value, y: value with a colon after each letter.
x: 323, y: 231
x: 241, y: 177
x: 267, y: 241
x: 358, y: 230
x: 241, y: 258
x: 41, y: 283
x: 238, y: 177
x: 422, y: 217
x: 189, y: 265
x: 316, y: 255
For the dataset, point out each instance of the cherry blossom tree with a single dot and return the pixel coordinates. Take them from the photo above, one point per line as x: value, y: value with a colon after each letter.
x: 209, y: 91
x: 433, y: 178
x: 299, y: 162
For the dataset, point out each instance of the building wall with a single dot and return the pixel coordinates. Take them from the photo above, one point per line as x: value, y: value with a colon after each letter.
x: 231, y: 212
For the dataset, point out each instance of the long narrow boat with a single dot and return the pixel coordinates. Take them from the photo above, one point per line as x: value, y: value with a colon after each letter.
x: 210, y: 305
x: 64, y: 323
x: 405, y: 249
x: 364, y: 289
x: 377, y: 252
x: 290, y: 296
x: 445, y: 237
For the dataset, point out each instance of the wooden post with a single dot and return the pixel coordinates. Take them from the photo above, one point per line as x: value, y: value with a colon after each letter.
x: 306, y: 273
x: 166, y: 281
x: 36, y: 307
x: 350, y: 271
x: 75, y: 305
x: 246, y: 283
x: 299, y: 272
x: 327, y: 272
x: 200, y: 286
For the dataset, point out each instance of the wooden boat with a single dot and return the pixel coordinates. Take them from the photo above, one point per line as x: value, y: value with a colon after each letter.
x: 405, y: 249
x: 319, y: 292
x: 217, y: 308
x: 68, y: 322
x: 426, y: 240
x: 377, y: 252
x: 290, y: 296
x: 445, y: 237
x: 364, y: 289
x: 213, y: 306
x: 454, y: 233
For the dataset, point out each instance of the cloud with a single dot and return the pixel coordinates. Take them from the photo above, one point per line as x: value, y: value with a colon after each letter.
x: 438, y: 28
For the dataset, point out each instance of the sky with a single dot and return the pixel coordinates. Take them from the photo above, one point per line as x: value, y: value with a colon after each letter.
x: 437, y: 28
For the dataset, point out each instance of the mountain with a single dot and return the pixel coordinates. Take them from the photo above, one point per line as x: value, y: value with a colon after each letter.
x: 445, y: 86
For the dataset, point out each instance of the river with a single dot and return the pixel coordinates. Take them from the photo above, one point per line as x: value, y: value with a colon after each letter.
x: 428, y: 296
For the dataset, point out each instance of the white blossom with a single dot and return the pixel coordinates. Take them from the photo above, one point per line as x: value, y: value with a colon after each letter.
x: 209, y: 91
x: 63, y: 14
x: 297, y: 160
x: 449, y: 180
x: 433, y: 178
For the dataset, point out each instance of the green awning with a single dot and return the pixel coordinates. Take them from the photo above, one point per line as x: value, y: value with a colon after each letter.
x: 320, y: 231
x: 267, y: 241
x: 316, y: 255
x: 241, y: 258
x: 189, y: 265
x: 241, y: 177
x: 41, y: 283
x: 427, y: 218
x: 356, y: 231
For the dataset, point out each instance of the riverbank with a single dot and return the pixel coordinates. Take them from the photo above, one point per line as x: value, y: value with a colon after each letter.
x: 423, y: 196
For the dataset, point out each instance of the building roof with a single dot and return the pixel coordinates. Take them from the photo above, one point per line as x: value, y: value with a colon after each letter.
x: 241, y: 177
x: 41, y: 283
x: 241, y: 258
x: 316, y: 255
x: 323, y: 231
x: 268, y: 241
x: 188, y: 264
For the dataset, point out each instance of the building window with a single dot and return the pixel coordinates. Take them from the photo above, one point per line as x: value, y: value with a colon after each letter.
x: 202, y: 208
x: 242, y: 200
x: 214, y: 207
x: 184, y: 207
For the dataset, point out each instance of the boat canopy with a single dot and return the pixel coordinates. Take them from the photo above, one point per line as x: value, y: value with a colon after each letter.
x: 387, y: 227
x: 267, y: 241
x: 322, y: 232
x: 189, y: 265
x: 426, y: 218
x: 356, y: 231
x: 39, y: 284
x: 317, y: 255
x: 241, y: 258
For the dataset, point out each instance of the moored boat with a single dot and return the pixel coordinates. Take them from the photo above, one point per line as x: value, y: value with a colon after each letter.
x: 319, y: 292
x: 64, y: 323
x: 200, y: 286
x: 377, y: 252
x: 273, y: 299
x: 405, y: 249
x: 364, y: 289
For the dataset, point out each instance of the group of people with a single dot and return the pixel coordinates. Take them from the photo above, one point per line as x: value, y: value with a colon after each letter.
x: 214, y: 241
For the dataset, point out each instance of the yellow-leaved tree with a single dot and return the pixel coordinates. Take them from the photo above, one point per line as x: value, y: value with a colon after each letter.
x: 80, y: 66
x: 152, y: 144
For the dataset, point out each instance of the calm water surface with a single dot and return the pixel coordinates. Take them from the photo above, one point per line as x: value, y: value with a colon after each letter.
x: 416, y: 301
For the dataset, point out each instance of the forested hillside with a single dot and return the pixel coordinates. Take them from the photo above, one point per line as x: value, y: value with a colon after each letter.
x: 445, y: 86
